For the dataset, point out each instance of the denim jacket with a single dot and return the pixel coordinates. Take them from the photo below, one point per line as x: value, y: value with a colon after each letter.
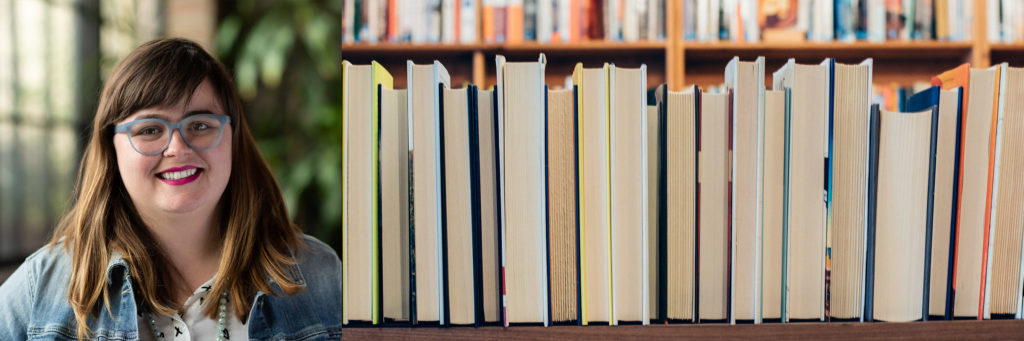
x: 34, y: 304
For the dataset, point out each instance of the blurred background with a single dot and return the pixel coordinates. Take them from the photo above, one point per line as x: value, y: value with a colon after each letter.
x: 56, y: 54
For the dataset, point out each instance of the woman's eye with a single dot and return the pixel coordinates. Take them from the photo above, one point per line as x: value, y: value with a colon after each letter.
x: 200, y: 126
x: 148, y: 131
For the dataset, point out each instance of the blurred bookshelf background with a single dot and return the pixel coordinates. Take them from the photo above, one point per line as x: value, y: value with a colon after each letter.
x: 683, y: 42
x: 56, y: 54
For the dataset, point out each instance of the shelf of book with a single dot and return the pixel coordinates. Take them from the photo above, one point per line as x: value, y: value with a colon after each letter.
x: 931, y: 330
x: 679, y: 63
x: 901, y: 62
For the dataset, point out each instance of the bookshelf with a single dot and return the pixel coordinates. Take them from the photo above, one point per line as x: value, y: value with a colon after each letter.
x: 680, y: 63
x: 932, y: 330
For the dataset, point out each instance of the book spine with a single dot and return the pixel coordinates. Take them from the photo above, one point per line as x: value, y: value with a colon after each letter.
x: 545, y: 130
x: 829, y: 169
x: 986, y: 245
x: 869, y: 273
x: 785, y: 208
x: 662, y: 98
x: 696, y: 230
x: 474, y: 174
x: 378, y: 299
x: 951, y: 274
x: 442, y: 187
x: 731, y: 228
x: 579, y: 213
x: 931, y: 209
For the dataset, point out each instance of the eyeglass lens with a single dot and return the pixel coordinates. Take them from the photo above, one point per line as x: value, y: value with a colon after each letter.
x: 200, y: 132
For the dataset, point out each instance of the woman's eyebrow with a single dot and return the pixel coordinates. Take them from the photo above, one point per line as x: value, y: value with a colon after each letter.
x: 165, y: 118
x: 197, y: 112
x: 144, y: 116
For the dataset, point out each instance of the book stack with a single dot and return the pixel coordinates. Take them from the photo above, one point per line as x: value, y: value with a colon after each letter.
x: 598, y: 205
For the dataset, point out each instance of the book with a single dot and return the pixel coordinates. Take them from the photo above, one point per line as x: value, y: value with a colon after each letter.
x: 490, y: 242
x: 563, y: 208
x: 655, y: 199
x: 975, y: 192
x: 904, y: 169
x: 394, y: 198
x: 744, y: 82
x: 772, y: 204
x: 1003, y: 299
x: 361, y: 218
x: 629, y: 194
x: 594, y: 126
x: 804, y: 245
x: 461, y: 218
x: 778, y: 21
x: 847, y: 193
x: 344, y: 197
x: 521, y: 112
x: 713, y: 209
x: 944, y: 211
x: 679, y: 174
x: 426, y: 84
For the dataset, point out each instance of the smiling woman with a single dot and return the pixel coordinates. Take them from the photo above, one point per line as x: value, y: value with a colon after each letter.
x: 174, y: 204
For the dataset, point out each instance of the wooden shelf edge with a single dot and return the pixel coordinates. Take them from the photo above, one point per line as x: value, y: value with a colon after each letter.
x: 1007, y: 47
x: 586, y: 46
x: 519, y: 47
x: 412, y: 48
x: 859, y: 45
x: 992, y: 329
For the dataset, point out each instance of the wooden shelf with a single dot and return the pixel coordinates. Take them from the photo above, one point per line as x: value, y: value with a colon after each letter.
x: 681, y: 63
x: 587, y: 46
x: 387, y: 48
x: 886, y: 50
x: 931, y: 330
x: 1005, y: 47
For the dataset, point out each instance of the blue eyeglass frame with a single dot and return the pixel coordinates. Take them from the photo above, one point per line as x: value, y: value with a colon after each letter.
x: 127, y: 126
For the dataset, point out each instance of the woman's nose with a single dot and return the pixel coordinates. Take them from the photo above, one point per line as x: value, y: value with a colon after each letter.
x: 177, y: 145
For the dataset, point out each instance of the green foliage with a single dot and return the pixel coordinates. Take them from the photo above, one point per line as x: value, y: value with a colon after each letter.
x: 285, y: 59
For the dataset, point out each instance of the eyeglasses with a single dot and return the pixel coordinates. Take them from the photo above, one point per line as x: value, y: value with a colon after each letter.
x: 151, y: 136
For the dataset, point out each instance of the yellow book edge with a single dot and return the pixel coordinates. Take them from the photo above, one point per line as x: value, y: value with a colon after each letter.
x: 577, y: 80
x: 344, y: 195
x: 379, y: 76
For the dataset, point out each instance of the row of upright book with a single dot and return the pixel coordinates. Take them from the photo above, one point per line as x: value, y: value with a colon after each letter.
x: 826, y: 20
x: 567, y: 21
x: 1007, y: 23
x: 597, y: 204
x: 501, y: 21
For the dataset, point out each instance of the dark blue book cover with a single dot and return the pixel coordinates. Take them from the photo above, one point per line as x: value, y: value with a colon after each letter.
x: 869, y: 263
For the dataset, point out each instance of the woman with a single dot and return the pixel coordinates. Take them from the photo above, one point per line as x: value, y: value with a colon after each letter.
x: 178, y: 229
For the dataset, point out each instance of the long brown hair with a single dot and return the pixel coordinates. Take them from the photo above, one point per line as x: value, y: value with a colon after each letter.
x: 258, y: 238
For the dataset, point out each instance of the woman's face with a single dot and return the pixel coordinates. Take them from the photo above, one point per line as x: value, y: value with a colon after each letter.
x: 165, y: 183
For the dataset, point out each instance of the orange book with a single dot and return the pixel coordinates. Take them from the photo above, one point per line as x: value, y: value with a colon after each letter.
x: 574, y: 20
x: 393, y: 33
x: 988, y: 196
x: 488, y: 22
x: 514, y: 34
x: 958, y: 76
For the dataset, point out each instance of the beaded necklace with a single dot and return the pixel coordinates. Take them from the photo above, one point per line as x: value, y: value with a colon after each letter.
x: 222, y: 315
